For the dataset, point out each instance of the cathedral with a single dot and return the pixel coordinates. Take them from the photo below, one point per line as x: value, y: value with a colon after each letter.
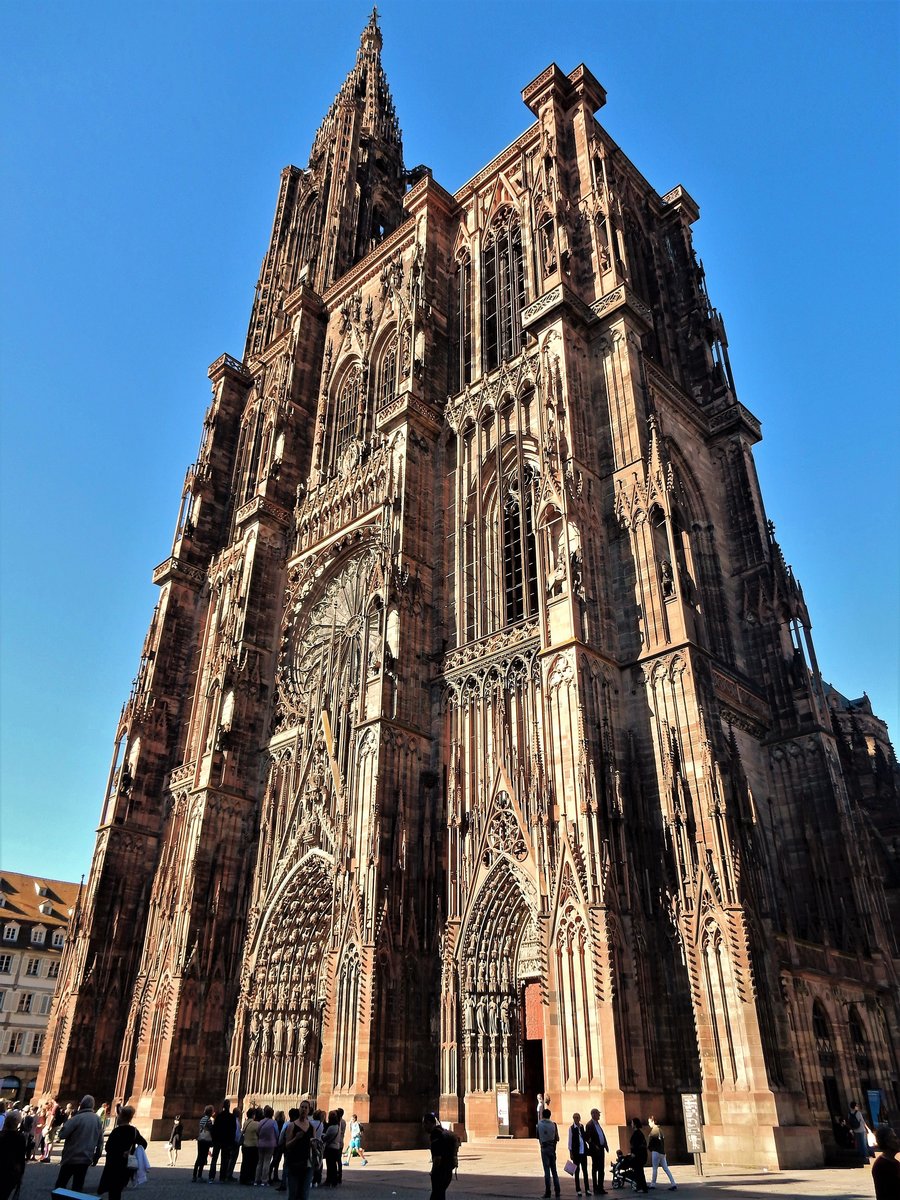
x: 478, y: 746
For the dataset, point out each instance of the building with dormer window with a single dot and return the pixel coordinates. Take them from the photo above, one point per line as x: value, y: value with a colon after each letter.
x: 34, y: 914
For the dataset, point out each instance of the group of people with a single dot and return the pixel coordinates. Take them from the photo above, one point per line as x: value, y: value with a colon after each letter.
x: 588, y: 1141
x: 304, y: 1145
x: 82, y: 1135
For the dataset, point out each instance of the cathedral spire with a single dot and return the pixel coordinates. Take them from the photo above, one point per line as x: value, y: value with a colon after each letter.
x: 366, y: 90
x: 347, y: 200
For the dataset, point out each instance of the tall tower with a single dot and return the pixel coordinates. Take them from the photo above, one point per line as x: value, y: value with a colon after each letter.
x: 478, y: 741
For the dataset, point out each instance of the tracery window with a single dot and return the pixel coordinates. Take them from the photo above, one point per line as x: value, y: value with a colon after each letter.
x: 347, y: 1022
x: 387, y: 375
x: 461, y: 355
x: 502, y: 290
x: 520, y: 591
x: 345, y: 414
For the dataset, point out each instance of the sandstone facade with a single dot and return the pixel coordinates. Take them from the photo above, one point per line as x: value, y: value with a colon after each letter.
x: 478, y: 737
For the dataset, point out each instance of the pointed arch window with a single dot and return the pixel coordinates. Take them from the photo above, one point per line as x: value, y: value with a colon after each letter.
x: 345, y: 414
x: 503, y: 291
x: 387, y: 375
x: 520, y: 591
x: 461, y: 355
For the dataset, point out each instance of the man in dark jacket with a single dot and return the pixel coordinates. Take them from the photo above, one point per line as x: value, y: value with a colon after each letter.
x: 638, y: 1154
x: 224, y: 1143
x: 444, y: 1154
x: 597, y: 1147
x: 82, y: 1135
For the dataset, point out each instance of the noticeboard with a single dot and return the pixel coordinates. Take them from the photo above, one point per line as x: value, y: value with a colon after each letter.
x: 501, y: 1093
x: 693, y: 1122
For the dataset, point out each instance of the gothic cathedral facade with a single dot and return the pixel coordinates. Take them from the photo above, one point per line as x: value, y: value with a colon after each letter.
x: 478, y: 739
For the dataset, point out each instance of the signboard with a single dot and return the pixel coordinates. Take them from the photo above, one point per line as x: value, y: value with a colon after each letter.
x: 501, y: 1094
x: 873, y: 1095
x: 693, y: 1122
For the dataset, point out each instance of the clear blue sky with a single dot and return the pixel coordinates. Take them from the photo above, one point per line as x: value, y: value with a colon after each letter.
x: 143, y: 144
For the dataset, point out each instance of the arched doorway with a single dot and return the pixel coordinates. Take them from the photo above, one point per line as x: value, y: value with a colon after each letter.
x: 501, y: 968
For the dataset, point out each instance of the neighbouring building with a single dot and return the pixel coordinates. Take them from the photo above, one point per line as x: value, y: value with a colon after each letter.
x: 34, y: 916
x: 478, y: 740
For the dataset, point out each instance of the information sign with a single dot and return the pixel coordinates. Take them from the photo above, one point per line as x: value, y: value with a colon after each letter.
x: 501, y: 1093
x: 693, y: 1122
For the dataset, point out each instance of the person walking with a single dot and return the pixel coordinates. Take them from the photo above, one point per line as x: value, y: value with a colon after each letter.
x: 548, y: 1139
x: 444, y: 1155
x: 856, y: 1123
x: 597, y: 1148
x: 204, y: 1143
x: 355, y: 1148
x: 267, y: 1137
x: 656, y: 1144
x: 82, y: 1137
x: 638, y: 1145
x: 174, y: 1143
x: 578, y: 1153
x: 120, y: 1147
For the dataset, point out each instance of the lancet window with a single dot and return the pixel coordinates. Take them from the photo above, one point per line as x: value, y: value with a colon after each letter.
x: 387, y: 374
x: 461, y: 354
x: 347, y: 1021
x: 520, y: 591
x: 500, y: 568
x: 345, y: 415
x: 502, y: 290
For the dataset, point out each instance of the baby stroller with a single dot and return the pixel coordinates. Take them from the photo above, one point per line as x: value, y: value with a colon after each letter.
x: 623, y: 1171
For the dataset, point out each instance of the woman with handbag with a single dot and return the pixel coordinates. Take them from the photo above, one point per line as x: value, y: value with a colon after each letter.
x: 121, y: 1163
x: 204, y: 1142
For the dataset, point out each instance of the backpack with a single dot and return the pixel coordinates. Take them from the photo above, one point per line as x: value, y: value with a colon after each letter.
x: 451, y: 1148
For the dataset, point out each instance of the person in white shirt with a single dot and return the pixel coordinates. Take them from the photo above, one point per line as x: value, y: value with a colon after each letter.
x: 578, y: 1153
x: 597, y: 1148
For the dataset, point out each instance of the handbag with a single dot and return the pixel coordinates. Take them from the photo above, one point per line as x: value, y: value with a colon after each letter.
x: 570, y: 1167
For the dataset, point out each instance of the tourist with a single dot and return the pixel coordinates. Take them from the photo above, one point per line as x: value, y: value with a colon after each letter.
x: 174, y: 1143
x: 885, y: 1169
x: 12, y: 1155
x: 297, y: 1144
x: 597, y: 1148
x: 225, y: 1131
x: 343, y: 1127
x: 250, y: 1151
x: 656, y: 1144
x: 204, y: 1143
x: 278, y: 1153
x: 444, y: 1156
x: 548, y: 1138
x: 82, y: 1135
x: 267, y: 1138
x: 578, y: 1153
x: 120, y: 1149
x: 317, y: 1147
x: 856, y: 1123
x: 331, y: 1140
x: 355, y: 1149
x: 638, y: 1145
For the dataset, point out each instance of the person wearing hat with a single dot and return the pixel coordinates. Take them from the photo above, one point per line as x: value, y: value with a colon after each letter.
x: 82, y: 1137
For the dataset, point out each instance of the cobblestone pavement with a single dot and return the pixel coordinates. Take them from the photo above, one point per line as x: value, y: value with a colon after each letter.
x: 502, y: 1170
